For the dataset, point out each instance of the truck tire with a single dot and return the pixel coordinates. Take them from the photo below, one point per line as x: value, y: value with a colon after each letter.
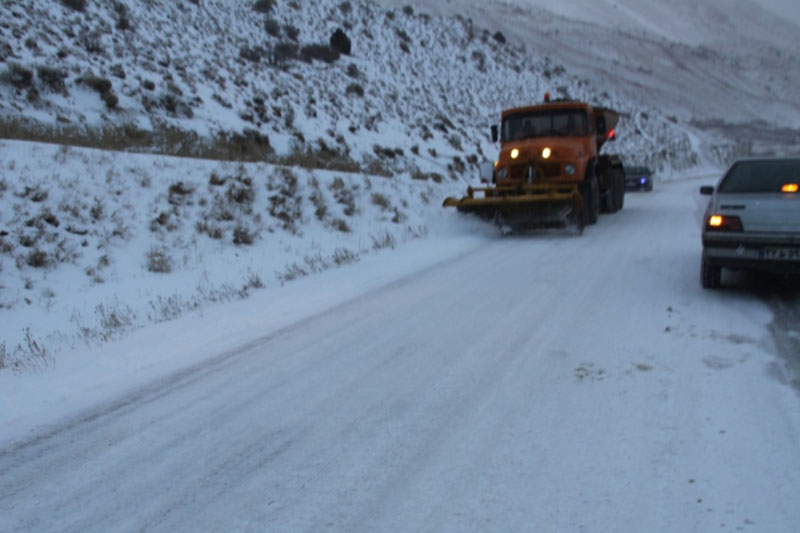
x: 590, y: 193
x: 610, y: 198
x: 613, y: 196
x: 620, y: 189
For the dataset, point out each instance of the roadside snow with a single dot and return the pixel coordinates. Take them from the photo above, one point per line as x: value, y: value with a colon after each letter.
x: 398, y: 367
x: 86, y: 376
x: 461, y: 382
x: 95, y: 244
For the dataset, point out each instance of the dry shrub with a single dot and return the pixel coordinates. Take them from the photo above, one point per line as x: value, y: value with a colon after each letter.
x: 178, y: 192
x: 243, y: 235
x: 384, y: 240
x: 263, y: 6
x: 323, y: 156
x: 344, y: 196
x: 37, y: 258
x: 340, y: 225
x: 381, y: 201
x: 29, y: 355
x: 318, y: 199
x: 52, y: 78
x: 158, y: 260
x: 77, y: 5
x: 343, y: 256
x: 241, y: 192
x: 285, y: 204
x: 18, y: 76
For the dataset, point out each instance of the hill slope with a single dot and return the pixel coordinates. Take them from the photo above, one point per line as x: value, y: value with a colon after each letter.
x: 727, y: 67
x: 410, y: 79
x: 93, y: 243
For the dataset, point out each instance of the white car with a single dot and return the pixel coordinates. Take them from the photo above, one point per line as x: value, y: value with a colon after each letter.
x: 753, y: 219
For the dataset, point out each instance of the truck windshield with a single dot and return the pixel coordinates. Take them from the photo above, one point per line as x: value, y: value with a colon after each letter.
x: 545, y: 123
x: 761, y: 176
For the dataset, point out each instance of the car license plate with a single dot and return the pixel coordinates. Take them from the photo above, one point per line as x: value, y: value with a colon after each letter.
x: 785, y: 254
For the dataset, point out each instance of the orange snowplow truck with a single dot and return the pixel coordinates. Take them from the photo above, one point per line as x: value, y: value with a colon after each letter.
x: 549, y: 171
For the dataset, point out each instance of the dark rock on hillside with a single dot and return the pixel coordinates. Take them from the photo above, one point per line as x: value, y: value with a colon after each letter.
x: 341, y: 42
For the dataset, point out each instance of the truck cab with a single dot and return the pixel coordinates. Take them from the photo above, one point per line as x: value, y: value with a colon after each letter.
x: 559, y: 142
x: 549, y: 172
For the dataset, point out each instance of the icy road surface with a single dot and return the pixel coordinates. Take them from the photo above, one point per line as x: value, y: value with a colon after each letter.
x: 545, y: 383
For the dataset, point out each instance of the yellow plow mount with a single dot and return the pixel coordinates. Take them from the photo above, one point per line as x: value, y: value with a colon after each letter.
x: 525, y: 205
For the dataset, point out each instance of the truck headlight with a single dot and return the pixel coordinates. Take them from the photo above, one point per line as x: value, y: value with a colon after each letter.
x: 570, y: 170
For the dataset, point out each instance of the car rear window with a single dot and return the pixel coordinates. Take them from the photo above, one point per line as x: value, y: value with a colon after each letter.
x: 760, y: 176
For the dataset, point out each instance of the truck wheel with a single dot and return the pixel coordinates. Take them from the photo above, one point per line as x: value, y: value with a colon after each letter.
x: 620, y: 183
x: 575, y: 219
x: 591, y: 200
x: 612, y: 196
x: 710, y: 275
x: 608, y: 202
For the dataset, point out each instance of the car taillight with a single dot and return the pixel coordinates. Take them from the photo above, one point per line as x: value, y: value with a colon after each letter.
x: 789, y: 187
x: 724, y: 223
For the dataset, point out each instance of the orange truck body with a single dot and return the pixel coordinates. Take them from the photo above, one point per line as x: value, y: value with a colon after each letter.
x: 549, y: 160
x: 568, y: 130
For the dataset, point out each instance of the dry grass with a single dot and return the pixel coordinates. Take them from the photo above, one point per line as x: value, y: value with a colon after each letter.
x: 163, y: 139
x: 381, y: 201
x: 158, y: 260
x: 322, y: 157
x: 27, y: 356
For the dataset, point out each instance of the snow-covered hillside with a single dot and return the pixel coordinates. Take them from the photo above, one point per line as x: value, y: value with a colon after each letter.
x: 398, y: 115
x: 230, y: 298
x: 423, y: 88
x: 727, y: 67
x: 94, y: 243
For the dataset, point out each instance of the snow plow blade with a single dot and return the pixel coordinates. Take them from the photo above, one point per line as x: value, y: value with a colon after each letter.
x: 541, y: 205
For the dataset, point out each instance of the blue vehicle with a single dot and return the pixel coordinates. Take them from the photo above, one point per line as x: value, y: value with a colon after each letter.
x: 638, y: 179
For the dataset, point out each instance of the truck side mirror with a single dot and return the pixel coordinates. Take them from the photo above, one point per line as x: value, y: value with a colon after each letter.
x: 600, y: 125
x: 494, y: 133
x: 706, y: 190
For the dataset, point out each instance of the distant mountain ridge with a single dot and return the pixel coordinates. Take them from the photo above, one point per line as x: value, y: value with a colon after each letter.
x: 730, y: 61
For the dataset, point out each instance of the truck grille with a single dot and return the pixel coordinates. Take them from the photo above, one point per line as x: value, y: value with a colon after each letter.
x: 550, y: 170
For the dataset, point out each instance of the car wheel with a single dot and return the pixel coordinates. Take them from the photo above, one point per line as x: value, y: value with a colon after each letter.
x: 710, y: 275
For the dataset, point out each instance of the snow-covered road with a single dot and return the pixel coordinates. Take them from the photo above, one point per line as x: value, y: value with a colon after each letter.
x: 532, y: 383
